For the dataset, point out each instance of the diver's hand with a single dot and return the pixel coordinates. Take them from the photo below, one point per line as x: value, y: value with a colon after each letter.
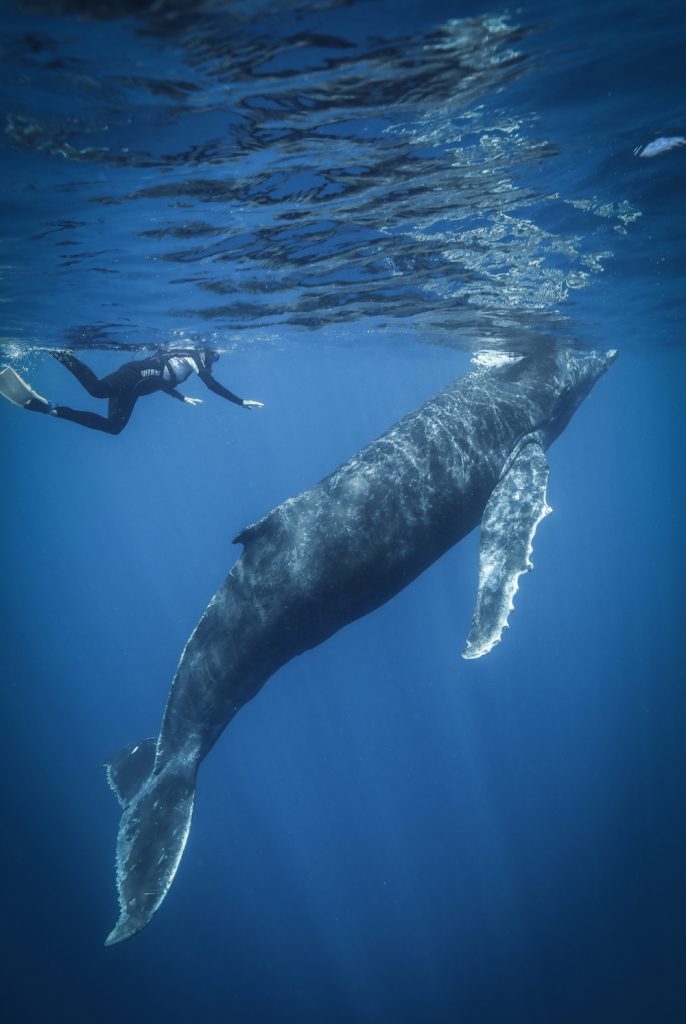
x: 192, y: 401
x: 248, y: 403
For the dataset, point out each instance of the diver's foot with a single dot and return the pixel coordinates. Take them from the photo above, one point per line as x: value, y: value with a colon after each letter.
x: 40, y: 405
x: 62, y: 355
x: 37, y: 405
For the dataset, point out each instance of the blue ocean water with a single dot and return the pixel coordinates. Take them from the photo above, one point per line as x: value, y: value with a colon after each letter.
x: 349, y: 200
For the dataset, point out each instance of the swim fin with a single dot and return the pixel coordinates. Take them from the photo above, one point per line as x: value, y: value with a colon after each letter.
x: 17, y: 391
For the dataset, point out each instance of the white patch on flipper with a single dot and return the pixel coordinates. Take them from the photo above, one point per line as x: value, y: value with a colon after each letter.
x: 511, y: 517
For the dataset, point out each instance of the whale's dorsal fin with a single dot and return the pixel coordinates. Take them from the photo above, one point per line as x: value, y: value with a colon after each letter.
x: 275, y: 521
x: 252, y: 532
x: 512, y: 514
x: 247, y: 533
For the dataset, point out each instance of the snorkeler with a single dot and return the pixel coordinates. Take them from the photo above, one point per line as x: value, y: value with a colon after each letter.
x: 161, y: 372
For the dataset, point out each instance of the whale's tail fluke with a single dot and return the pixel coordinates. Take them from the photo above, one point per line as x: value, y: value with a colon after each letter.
x: 154, y: 826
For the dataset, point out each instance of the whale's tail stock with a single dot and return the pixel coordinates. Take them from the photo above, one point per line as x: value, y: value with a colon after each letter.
x: 154, y: 826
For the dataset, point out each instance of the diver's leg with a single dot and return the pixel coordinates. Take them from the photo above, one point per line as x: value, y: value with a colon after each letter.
x: 118, y: 414
x: 39, y: 405
x: 84, y: 375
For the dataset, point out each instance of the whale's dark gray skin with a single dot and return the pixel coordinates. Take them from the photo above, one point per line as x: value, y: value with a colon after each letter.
x: 472, y: 454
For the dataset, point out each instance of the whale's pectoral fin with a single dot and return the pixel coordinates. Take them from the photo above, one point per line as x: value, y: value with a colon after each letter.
x: 152, y: 832
x: 512, y: 514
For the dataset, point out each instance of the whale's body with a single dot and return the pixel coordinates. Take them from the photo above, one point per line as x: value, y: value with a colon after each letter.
x: 474, y: 453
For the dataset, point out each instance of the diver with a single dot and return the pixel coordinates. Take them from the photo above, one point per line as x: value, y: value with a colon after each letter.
x: 161, y: 372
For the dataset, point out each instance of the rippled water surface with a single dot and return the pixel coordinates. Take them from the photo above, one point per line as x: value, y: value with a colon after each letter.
x: 246, y: 171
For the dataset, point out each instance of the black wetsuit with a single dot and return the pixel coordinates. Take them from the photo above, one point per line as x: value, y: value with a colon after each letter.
x: 132, y: 381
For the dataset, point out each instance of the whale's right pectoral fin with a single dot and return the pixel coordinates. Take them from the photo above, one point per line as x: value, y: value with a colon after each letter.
x: 152, y: 832
x: 512, y: 514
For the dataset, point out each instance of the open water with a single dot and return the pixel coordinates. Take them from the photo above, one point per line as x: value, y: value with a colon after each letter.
x: 348, y: 199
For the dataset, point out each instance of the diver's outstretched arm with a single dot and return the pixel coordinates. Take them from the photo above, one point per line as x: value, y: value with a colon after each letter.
x: 182, y: 398
x: 218, y: 389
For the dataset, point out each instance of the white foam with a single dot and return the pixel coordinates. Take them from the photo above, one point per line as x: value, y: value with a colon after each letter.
x: 489, y: 359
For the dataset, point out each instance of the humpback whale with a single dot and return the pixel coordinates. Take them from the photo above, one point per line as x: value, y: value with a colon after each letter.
x: 473, y: 454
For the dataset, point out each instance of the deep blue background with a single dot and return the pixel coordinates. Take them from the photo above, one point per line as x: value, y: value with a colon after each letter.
x: 387, y: 833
